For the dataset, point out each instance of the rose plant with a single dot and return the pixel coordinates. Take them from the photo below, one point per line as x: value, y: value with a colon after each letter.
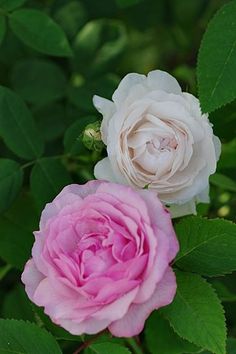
x: 109, y: 126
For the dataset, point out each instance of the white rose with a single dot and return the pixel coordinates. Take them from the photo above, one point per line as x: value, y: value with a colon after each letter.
x: 156, y: 136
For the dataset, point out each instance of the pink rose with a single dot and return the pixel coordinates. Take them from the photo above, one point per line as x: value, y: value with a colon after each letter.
x: 101, y: 259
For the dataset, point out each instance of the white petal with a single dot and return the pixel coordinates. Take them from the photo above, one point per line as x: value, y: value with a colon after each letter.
x: 103, y: 170
x: 123, y: 90
x: 217, y: 145
x: 107, y: 109
x: 203, y: 197
x: 161, y: 80
x: 178, y: 210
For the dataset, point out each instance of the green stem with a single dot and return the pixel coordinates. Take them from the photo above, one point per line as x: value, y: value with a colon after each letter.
x: 133, y: 344
x: 28, y: 164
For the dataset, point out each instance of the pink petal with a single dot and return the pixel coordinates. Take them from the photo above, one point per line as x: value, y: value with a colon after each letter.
x: 89, y: 326
x: 31, y: 277
x: 68, y: 195
x: 161, y: 218
x: 133, y: 322
x: 156, y: 269
x: 128, y: 194
x: 116, y: 309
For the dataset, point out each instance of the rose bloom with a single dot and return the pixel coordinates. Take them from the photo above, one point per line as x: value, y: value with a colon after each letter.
x: 156, y: 136
x: 101, y: 259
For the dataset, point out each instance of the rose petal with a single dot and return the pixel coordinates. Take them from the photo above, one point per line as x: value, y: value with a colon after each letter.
x: 103, y: 170
x: 178, y: 210
x: 133, y: 322
x: 107, y: 109
x: 161, y: 80
x: 126, y: 84
x: 31, y: 277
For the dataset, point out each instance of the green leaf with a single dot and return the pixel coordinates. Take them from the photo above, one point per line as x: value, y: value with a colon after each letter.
x: 73, y: 137
x: 98, y: 46
x: 224, y: 122
x: 4, y: 270
x: 196, y: 313
x: 187, y: 12
x: 2, y: 28
x: 16, y: 227
x: 231, y: 346
x: 17, y: 305
x: 161, y: 338
x: 39, y: 32
x: 108, y: 348
x: 82, y: 96
x: 223, y: 182
x: 71, y: 17
x: 223, y: 292
x: 26, y: 338
x: 127, y: 3
x: 58, y: 332
x: 10, y: 5
x: 217, y: 60
x: 11, y: 178
x: 51, y: 120
x: 38, y: 81
x: 17, y: 126
x: 207, y: 247
x: 47, y: 179
x: 228, y: 154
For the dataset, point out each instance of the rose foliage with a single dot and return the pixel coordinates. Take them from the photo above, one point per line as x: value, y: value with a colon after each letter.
x: 117, y: 177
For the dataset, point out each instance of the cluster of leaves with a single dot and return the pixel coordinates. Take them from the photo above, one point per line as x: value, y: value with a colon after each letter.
x: 54, y: 55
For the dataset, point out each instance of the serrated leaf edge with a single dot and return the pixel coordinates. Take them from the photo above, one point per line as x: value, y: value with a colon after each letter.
x: 199, y: 88
x: 223, y: 312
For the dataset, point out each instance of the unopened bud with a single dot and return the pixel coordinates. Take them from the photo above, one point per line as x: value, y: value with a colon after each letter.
x: 92, y: 137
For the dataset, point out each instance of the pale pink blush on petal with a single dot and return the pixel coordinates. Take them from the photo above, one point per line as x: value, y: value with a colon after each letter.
x: 31, y: 277
x: 159, y: 266
x: 116, y: 309
x: 89, y: 326
x: 133, y: 322
x: 162, y: 219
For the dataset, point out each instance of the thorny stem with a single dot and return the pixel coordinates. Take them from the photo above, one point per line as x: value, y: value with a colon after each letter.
x: 88, y: 343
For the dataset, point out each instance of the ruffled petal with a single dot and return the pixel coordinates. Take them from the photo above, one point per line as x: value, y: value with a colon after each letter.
x: 178, y: 210
x: 107, y: 109
x: 130, y: 80
x: 31, y: 277
x: 133, y: 322
x: 161, y: 80
x: 103, y: 170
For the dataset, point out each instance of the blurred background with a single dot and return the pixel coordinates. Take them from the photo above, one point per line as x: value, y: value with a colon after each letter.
x: 108, y: 38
